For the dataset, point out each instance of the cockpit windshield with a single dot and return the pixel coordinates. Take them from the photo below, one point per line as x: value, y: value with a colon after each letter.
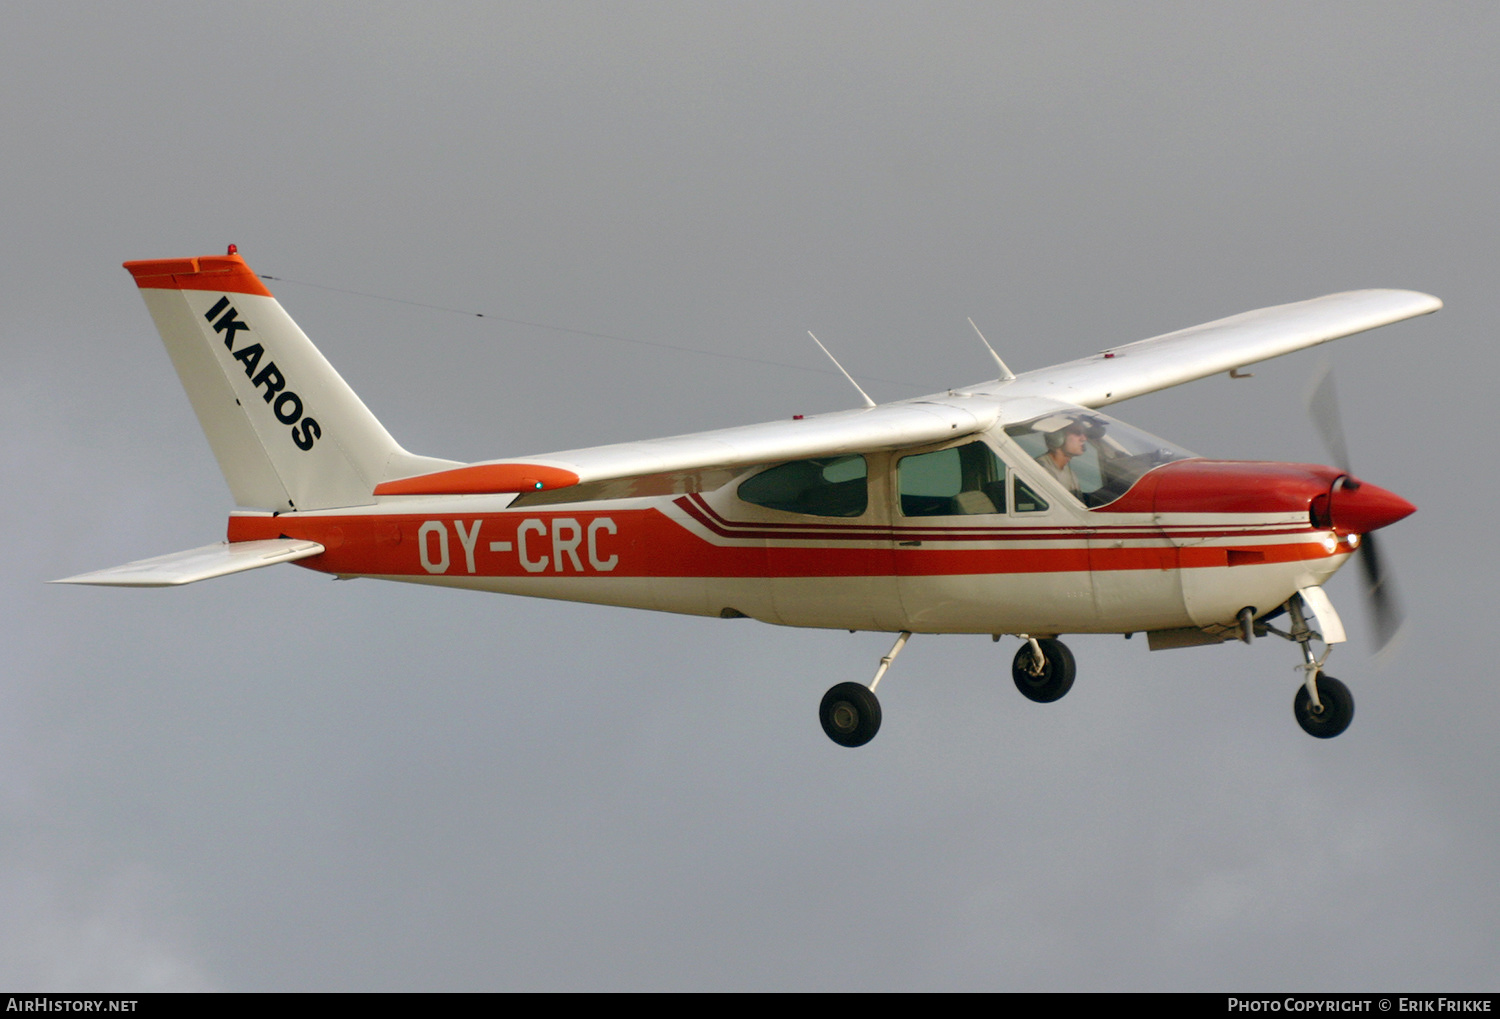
x: 1092, y: 455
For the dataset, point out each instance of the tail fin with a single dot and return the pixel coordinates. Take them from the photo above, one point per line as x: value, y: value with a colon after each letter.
x: 288, y: 432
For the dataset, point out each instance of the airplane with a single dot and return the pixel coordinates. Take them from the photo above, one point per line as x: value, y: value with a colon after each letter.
x: 1014, y: 507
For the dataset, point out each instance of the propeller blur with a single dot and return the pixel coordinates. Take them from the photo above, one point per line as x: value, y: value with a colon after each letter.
x: 1361, y: 511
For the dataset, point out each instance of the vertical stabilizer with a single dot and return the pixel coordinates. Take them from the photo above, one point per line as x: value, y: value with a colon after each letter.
x: 288, y: 432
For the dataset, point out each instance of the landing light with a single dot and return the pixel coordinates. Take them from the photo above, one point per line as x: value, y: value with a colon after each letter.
x: 1353, y: 541
x: 1330, y: 544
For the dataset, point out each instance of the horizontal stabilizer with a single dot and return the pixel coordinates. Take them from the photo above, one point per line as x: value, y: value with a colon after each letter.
x: 216, y: 560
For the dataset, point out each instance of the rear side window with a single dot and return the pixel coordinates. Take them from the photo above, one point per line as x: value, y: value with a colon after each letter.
x: 828, y: 487
x: 958, y: 481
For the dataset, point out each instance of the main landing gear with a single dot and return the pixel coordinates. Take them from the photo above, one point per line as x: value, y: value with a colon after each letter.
x: 850, y: 713
x: 1043, y: 670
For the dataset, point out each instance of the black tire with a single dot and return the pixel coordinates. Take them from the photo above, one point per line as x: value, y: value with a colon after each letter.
x: 1053, y: 679
x: 850, y: 714
x: 1337, y: 713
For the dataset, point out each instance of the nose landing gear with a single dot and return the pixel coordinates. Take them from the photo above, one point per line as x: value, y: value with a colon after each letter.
x: 1324, y: 706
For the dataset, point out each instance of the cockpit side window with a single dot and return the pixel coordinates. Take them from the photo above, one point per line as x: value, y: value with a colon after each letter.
x: 958, y: 481
x: 827, y: 487
x: 1094, y: 457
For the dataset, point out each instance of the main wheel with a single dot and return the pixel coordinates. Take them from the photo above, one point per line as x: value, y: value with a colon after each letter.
x: 1049, y: 679
x: 850, y: 714
x: 1337, y: 712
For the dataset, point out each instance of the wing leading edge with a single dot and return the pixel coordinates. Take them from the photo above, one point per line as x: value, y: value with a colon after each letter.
x: 890, y: 426
x: 1161, y: 362
x: 1096, y: 381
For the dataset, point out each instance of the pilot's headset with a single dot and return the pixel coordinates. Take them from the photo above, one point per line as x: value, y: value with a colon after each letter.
x: 1092, y: 430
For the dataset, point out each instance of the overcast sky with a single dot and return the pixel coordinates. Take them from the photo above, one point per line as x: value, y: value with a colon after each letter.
x: 272, y: 782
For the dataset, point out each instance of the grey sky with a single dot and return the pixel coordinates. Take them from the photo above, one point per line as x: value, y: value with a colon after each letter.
x: 274, y: 782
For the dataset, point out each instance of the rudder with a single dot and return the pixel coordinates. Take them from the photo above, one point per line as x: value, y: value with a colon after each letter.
x: 286, y: 429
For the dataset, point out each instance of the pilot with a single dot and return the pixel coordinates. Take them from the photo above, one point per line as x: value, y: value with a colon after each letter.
x: 1062, y: 446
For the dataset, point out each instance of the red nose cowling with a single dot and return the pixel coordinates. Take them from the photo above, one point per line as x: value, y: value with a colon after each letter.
x: 1358, y: 507
x: 1331, y: 499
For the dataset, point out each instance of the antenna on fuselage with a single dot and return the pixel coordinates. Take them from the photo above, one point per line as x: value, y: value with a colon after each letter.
x: 868, y: 402
x: 1005, y: 373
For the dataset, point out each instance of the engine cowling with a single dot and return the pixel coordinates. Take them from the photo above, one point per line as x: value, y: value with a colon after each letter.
x: 1332, y: 499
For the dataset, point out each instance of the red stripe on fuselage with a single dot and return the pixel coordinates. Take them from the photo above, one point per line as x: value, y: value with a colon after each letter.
x: 649, y: 543
x: 698, y: 508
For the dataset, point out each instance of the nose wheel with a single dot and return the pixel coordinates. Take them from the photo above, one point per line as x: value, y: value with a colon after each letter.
x: 1331, y: 715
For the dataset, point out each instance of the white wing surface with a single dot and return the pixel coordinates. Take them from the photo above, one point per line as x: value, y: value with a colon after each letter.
x: 200, y: 563
x: 1104, y: 378
x: 867, y: 430
x: 1170, y: 360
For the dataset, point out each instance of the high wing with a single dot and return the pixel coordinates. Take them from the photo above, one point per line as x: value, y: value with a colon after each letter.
x: 867, y: 430
x: 1161, y: 362
x: 1101, y: 379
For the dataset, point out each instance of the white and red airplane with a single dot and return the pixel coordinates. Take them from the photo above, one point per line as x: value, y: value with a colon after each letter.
x: 1012, y: 507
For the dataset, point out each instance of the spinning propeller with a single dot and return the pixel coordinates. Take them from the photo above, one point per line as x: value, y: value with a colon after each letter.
x: 1380, y: 592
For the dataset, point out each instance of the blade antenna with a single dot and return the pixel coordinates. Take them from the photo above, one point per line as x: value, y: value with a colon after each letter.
x: 868, y: 402
x: 1005, y: 373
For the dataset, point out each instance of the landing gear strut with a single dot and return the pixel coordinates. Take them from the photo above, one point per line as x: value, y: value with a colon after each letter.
x: 1043, y: 669
x: 1324, y: 706
x: 850, y: 713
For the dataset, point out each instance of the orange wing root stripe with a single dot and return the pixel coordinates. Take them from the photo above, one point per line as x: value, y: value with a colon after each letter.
x: 227, y: 274
x: 481, y: 479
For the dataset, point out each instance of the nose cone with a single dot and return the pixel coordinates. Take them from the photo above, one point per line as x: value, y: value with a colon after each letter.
x: 1357, y: 507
